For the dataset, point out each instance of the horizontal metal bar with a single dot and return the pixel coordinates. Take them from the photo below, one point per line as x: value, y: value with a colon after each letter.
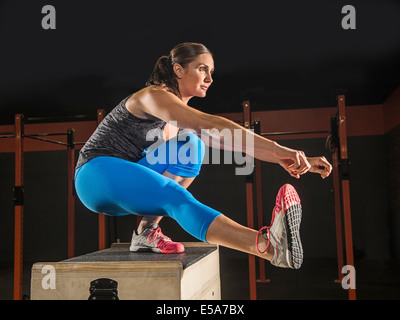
x: 292, y: 133
x: 48, y: 134
x: 7, y: 136
x: 46, y: 140
x: 59, y: 119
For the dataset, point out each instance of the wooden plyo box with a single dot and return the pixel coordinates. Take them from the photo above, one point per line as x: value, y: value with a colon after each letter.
x: 191, y: 275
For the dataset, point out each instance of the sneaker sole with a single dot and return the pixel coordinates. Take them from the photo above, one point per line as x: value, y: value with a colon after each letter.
x: 144, y: 249
x: 292, y: 221
x: 290, y: 201
x: 148, y: 249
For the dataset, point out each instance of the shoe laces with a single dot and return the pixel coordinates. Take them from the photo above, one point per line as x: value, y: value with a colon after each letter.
x: 163, y: 243
x: 155, y: 234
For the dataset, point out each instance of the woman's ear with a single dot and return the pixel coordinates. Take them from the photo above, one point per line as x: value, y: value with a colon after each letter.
x: 178, y: 70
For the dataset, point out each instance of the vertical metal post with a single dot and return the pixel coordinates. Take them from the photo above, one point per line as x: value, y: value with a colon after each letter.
x: 338, y: 213
x: 250, y: 209
x: 18, y: 207
x: 259, y: 202
x: 71, y: 193
x: 345, y: 187
x: 250, y: 224
x: 102, y: 217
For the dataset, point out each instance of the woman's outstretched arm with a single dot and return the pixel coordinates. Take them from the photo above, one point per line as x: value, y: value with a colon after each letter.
x: 166, y: 106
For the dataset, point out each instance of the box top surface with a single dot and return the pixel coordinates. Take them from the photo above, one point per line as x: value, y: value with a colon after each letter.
x: 120, y: 252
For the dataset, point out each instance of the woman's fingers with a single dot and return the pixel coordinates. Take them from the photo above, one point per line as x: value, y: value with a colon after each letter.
x: 299, y: 164
x: 320, y: 165
x: 304, y: 165
x: 326, y: 165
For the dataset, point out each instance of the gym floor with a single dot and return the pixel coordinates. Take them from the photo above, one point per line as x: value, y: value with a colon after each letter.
x: 314, y: 281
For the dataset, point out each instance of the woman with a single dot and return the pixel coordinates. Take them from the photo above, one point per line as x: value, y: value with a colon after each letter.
x: 116, y: 174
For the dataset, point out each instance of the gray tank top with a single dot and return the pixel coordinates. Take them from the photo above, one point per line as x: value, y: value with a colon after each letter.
x: 121, y: 135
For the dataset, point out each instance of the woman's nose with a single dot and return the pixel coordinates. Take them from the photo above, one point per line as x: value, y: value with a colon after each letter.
x: 208, y: 78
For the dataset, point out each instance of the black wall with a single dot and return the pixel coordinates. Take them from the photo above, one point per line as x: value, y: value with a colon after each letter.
x: 278, y: 54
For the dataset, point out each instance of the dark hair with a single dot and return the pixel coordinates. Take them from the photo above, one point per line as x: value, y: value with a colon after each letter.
x: 163, y: 72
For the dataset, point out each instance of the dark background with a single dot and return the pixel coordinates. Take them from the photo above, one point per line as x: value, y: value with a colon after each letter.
x: 279, y: 55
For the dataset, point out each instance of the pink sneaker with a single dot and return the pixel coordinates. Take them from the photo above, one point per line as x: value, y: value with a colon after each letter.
x: 152, y: 239
x: 284, y: 232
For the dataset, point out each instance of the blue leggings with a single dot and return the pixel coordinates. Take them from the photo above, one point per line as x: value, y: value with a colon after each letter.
x: 116, y: 187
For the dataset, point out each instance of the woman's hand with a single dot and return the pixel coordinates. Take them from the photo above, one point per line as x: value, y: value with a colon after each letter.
x: 320, y: 165
x: 293, y: 161
x: 296, y: 163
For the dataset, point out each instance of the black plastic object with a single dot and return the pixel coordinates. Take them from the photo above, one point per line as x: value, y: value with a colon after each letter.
x: 103, y: 289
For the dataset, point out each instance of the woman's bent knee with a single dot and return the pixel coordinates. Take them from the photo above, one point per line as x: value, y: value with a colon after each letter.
x: 190, y: 155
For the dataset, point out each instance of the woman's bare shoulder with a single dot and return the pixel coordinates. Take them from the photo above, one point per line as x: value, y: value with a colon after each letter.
x: 157, y: 103
x: 136, y: 104
x: 149, y: 91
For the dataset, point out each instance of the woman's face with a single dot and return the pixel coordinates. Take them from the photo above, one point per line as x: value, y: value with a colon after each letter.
x: 195, y: 79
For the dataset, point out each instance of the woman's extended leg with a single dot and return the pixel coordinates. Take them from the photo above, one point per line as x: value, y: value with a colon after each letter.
x: 226, y: 232
x: 119, y: 187
x: 115, y: 186
x: 283, y: 248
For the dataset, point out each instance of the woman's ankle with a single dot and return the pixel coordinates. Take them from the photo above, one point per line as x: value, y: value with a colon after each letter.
x: 264, y: 248
x: 147, y: 222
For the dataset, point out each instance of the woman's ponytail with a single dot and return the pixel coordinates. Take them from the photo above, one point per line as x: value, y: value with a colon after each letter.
x: 163, y: 75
